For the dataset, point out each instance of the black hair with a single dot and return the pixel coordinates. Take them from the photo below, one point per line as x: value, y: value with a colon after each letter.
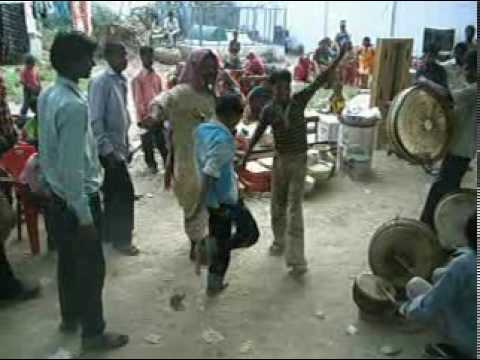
x: 366, y: 38
x: 432, y: 48
x: 112, y: 48
x: 230, y: 104
x: 282, y: 75
x: 461, y: 47
x: 170, y: 13
x: 471, y: 232
x: 68, y: 47
x: 146, y: 50
x: 471, y: 59
x: 470, y: 28
x: 30, y: 59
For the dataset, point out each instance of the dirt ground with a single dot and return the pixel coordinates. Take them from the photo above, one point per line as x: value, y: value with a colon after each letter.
x: 264, y: 313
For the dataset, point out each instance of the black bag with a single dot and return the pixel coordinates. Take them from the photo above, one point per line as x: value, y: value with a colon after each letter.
x: 246, y: 229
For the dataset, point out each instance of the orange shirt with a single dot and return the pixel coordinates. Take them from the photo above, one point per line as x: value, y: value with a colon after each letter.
x: 366, y: 60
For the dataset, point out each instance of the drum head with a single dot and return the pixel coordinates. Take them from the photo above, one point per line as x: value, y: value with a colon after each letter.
x: 451, y: 216
x: 402, y: 249
x: 419, y: 127
x: 370, y: 294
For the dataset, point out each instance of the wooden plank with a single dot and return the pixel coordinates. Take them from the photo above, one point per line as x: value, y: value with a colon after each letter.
x: 391, y: 75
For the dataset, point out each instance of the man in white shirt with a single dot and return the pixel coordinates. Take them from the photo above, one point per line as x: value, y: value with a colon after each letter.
x: 172, y: 27
x: 462, y: 147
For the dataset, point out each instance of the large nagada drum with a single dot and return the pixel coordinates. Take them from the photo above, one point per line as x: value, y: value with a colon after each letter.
x: 402, y: 249
x: 373, y: 295
x: 451, y: 216
x: 419, y: 127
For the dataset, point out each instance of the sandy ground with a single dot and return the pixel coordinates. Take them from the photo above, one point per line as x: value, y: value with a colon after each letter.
x: 265, y: 313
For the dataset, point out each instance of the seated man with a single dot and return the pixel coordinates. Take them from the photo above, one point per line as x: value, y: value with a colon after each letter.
x: 450, y: 304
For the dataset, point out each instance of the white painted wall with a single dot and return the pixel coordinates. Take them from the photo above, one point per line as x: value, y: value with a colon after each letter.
x: 373, y: 18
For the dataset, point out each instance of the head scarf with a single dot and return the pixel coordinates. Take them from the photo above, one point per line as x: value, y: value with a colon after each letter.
x: 254, y: 65
x: 191, y: 71
x: 302, y: 69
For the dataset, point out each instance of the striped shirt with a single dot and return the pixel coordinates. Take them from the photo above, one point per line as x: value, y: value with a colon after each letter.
x: 288, y: 122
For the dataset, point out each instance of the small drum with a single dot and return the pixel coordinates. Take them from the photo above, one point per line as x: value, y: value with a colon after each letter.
x: 374, y: 296
x: 419, y: 127
x: 451, y: 216
x: 402, y: 249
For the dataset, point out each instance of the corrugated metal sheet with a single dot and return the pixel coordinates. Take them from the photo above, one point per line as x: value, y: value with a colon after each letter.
x: 14, y: 41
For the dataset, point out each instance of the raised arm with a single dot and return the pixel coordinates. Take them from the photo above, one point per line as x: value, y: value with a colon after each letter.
x: 306, y: 95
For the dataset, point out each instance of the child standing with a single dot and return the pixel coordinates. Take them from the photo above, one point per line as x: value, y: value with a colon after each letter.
x: 30, y: 79
x: 215, y: 153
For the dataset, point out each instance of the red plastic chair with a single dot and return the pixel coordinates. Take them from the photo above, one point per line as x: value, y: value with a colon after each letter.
x: 14, y: 162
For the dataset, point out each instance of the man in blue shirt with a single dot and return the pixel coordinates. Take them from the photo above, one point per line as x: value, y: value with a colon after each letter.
x: 450, y: 304
x: 215, y: 152
x: 71, y: 172
x: 108, y: 98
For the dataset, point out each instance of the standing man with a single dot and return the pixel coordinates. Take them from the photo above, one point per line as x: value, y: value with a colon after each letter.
x: 234, y: 52
x: 110, y: 122
x: 10, y: 287
x: 462, y: 148
x: 470, y: 32
x: 343, y: 36
x: 172, y: 27
x: 146, y: 85
x: 72, y: 173
x: 286, y: 116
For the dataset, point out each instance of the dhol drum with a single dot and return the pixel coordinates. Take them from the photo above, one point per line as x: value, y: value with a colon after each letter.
x: 402, y: 249
x: 419, y: 127
x: 374, y: 296
x: 451, y: 216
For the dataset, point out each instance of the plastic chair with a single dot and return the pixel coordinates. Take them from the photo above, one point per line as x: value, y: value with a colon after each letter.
x: 13, y: 162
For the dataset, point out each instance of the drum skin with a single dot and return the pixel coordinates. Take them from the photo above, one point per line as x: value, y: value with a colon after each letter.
x: 451, y: 216
x: 419, y: 127
x: 369, y: 296
x: 411, y: 241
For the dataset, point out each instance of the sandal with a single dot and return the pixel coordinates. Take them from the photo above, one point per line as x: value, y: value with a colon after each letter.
x: 105, y: 342
x: 276, y: 250
x: 129, y: 251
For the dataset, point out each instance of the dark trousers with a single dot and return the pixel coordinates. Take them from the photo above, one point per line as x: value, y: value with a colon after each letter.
x: 118, y: 197
x: 81, y: 269
x: 221, y: 222
x: 10, y: 287
x: 449, y: 180
x: 154, y: 138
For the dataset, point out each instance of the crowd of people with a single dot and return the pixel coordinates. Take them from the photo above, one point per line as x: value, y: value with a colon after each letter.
x: 84, y: 152
x: 357, y: 65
